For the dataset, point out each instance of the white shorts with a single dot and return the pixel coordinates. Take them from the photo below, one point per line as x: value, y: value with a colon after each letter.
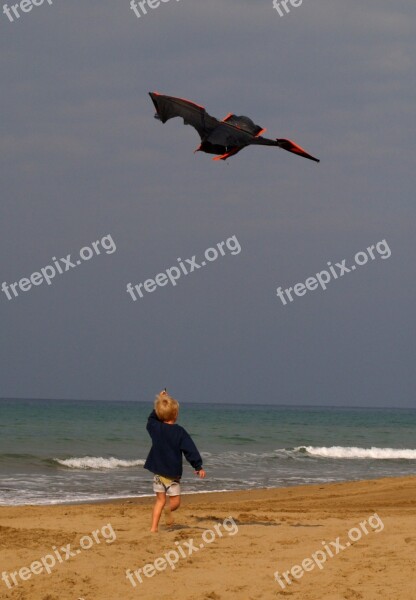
x: 166, y: 485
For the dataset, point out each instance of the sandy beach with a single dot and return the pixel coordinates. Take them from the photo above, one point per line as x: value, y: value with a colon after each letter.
x: 223, y: 545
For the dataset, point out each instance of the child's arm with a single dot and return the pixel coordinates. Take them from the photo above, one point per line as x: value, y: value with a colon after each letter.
x: 153, y: 418
x: 151, y: 421
x: 191, y: 454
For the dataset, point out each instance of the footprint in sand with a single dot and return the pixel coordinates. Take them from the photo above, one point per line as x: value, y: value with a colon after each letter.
x: 351, y: 594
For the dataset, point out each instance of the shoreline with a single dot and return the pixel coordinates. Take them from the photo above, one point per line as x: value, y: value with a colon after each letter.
x: 220, y: 493
x: 136, y: 499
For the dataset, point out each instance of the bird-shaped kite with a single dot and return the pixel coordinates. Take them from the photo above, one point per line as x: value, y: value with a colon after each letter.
x: 224, y: 138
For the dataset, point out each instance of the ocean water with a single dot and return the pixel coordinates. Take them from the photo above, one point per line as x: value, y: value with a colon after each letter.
x: 60, y: 451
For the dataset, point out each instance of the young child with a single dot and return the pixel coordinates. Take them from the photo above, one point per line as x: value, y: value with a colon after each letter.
x: 169, y: 441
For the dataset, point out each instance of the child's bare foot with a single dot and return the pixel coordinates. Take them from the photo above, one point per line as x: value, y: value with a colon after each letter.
x: 154, y: 531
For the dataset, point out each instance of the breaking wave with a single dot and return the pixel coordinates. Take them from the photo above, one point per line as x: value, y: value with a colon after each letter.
x: 354, y: 452
x: 94, y: 462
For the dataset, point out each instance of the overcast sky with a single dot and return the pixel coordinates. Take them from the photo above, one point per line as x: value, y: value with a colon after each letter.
x: 82, y: 157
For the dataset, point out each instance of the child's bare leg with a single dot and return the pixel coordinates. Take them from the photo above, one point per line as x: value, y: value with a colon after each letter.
x: 157, y: 510
x: 171, y: 505
x: 174, y: 502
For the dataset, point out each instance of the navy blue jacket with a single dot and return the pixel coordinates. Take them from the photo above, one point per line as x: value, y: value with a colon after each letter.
x: 168, y: 444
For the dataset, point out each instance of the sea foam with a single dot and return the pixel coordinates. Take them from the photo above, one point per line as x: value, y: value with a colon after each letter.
x: 354, y: 452
x: 98, y: 462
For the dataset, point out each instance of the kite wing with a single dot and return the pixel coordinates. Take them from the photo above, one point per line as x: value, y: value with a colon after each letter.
x: 244, y: 124
x: 168, y: 107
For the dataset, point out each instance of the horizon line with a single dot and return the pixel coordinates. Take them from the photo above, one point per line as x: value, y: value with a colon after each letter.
x: 215, y: 403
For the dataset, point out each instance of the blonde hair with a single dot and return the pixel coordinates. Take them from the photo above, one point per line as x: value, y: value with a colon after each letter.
x: 166, y: 407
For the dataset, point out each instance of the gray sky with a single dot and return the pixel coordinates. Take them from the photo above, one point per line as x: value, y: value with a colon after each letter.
x: 82, y: 157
